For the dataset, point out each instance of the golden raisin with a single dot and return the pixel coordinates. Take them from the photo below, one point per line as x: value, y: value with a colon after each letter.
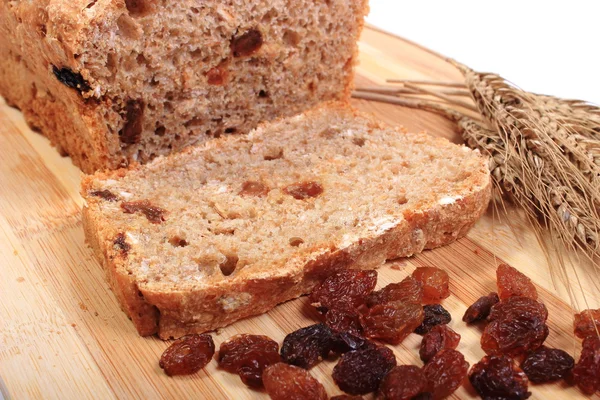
x: 513, y: 283
x: 392, y: 322
x: 587, y: 323
x: 403, y: 382
x: 435, y: 284
x: 254, y: 188
x: 304, y: 190
x: 187, y: 355
x: 445, y: 372
x: 440, y: 337
x: 285, y: 382
x: 347, y: 288
x: 408, y: 290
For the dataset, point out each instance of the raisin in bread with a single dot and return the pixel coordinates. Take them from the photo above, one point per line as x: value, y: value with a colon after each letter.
x: 115, y: 81
x: 197, y: 240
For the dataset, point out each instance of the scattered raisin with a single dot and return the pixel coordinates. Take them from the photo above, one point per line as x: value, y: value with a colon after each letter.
x: 248, y: 356
x: 187, y: 355
x: 254, y: 188
x: 348, y: 287
x: 247, y: 44
x: 74, y: 80
x: 307, y: 346
x: 132, y: 129
x: 514, y: 336
x: 361, y: 371
x: 392, y: 322
x: 513, y: 283
x: 407, y: 290
x: 586, y: 373
x: 481, y: 308
x: 545, y: 365
x: 497, y: 377
x: 440, y: 337
x: 435, y: 284
x: 403, y: 382
x: 105, y: 194
x: 346, y: 341
x: 445, y: 372
x: 433, y: 314
x: 587, y: 323
x: 344, y: 319
x: 285, y: 382
x: 304, y: 190
x: 154, y: 214
x: 121, y: 244
x: 517, y: 306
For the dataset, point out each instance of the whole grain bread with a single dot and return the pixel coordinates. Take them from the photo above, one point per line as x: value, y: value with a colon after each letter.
x: 115, y: 81
x: 228, y: 229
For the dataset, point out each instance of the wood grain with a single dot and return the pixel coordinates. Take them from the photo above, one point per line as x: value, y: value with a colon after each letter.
x: 62, y: 335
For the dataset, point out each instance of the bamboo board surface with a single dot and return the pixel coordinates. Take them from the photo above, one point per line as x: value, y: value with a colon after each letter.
x: 63, y: 336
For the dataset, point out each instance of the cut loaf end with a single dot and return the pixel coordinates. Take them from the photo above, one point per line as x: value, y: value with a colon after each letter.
x: 229, y: 229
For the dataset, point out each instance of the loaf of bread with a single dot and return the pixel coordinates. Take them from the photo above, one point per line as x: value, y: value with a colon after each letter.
x: 115, y: 81
x: 228, y: 229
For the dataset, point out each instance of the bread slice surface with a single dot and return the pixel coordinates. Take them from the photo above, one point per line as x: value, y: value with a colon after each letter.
x: 198, y: 240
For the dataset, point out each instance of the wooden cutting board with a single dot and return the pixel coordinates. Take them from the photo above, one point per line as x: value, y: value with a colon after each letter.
x: 63, y: 336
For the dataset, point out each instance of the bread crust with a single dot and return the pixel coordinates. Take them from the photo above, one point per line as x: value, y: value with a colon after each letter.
x: 176, y: 313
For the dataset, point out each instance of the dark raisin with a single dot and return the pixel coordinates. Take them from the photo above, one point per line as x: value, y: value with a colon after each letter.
x: 254, y: 188
x: 187, y: 355
x: 391, y: 322
x: 545, y: 365
x: 445, y: 372
x: 517, y: 306
x: 121, y: 244
x: 347, y: 288
x: 247, y: 44
x: 304, y: 190
x: 497, y: 377
x: 285, y: 382
x: 132, y: 129
x: 248, y: 356
x: 433, y: 314
x: 513, y: 283
x: 435, y: 284
x: 74, y: 80
x: 481, y: 308
x: 586, y: 373
x: 408, y: 290
x: 344, y: 319
x: 440, y: 337
x: 345, y: 341
x: 587, y: 323
x: 346, y: 397
x: 307, y: 346
x: 105, y: 194
x: 138, y: 7
x: 154, y: 214
x: 361, y: 371
x: 423, y: 396
x: 402, y: 383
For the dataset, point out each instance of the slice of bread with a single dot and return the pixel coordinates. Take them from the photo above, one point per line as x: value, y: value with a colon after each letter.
x: 198, y: 240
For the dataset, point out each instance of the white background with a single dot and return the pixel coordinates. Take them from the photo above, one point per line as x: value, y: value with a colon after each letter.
x: 550, y: 47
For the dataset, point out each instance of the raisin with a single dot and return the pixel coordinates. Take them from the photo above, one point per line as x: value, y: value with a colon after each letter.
x: 347, y: 287
x: 361, y: 371
x: 346, y: 341
x: 445, y: 372
x: 132, y: 129
x: 514, y: 336
x: 187, y: 355
x: 392, y: 322
x: 497, y: 377
x: 408, y: 290
x: 285, y: 382
x: 587, y: 323
x: 513, y: 283
x: 248, y: 356
x: 481, y: 308
x: 433, y: 314
x: 247, y: 44
x: 546, y: 365
x: 346, y: 397
x: 217, y: 75
x: 304, y: 190
x: 517, y: 306
x: 586, y: 373
x: 423, y: 396
x: 121, y: 244
x: 307, y: 346
x: 154, y: 214
x: 74, y: 80
x: 344, y: 319
x: 402, y: 383
x: 434, y: 282
x: 440, y: 337
x: 254, y: 188
x: 105, y: 194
